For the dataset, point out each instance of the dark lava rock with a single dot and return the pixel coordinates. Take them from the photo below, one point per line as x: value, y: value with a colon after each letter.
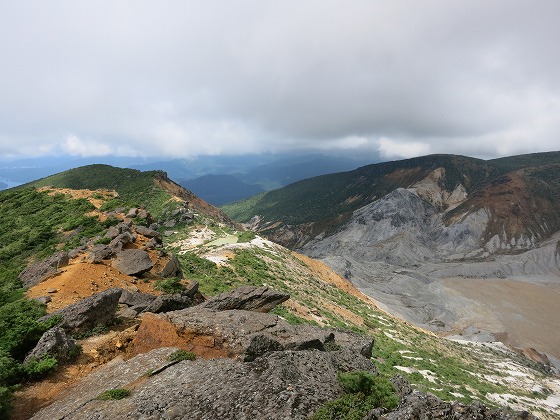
x: 417, y: 405
x: 39, y: 272
x: 166, y: 303
x: 132, y: 262
x: 53, y: 342
x: 95, y: 310
x: 250, y: 298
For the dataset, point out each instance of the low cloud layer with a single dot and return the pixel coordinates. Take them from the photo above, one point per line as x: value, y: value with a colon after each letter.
x: 185, y: 78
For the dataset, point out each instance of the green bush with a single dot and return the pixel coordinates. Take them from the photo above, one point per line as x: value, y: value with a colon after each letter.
x: 5, y: 402
x: 36, y: 369
x: 364, y: 391
x: 170, y: 286
x: 180, y: 355
x: 114, y: 394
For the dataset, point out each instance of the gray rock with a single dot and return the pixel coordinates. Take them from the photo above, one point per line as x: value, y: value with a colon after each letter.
x: 277, y: 385
x: 169, y: 223
x: 112, y: 232
x: 147, y: 232
x: 191, y: 289
x: 250, y: 298
x: 95, y: 310
x: 132, y: 213
x: 166, y: 303
x: 53, y: 342
x: 43, y: 299
x: 39, y: 272
x: 172, y: 268
x: 136, y: 298
x: 98, y: 253
x: 132, y: 262
x: 152, y: 243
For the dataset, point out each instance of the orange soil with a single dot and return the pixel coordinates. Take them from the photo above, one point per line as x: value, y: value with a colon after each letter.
x: 157, y: 331
x: 80, y: 279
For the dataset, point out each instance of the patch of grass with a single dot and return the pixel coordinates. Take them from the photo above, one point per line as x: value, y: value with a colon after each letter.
x: 180, y: 355
x: 246, y: 236
x: 114, y: 394
x: 170, y: 286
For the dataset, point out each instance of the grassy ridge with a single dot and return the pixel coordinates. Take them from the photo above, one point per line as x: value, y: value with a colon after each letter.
x: 135, y: 188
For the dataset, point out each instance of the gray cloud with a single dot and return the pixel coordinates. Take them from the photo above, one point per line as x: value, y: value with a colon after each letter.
x: 181, y: 78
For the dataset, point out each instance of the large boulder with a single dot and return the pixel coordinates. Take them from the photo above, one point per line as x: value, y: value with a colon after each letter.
x: 41, y: 271
x: 250, y: 298
x: 54, y: 342
x: 132, y: 262
x: 136, y: 298
x: 84, y: 315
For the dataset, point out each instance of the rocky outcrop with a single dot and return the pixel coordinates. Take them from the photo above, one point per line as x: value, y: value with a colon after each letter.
x: 235, y: 333
x: 278, y: 385
x: 38, y: 272
x: 54, y: 342
x: 95, y: 310
x: 132, y: 262
x: 250, y: 298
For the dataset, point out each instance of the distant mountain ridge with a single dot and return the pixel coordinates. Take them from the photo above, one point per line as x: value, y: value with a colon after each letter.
x: 295, y: 214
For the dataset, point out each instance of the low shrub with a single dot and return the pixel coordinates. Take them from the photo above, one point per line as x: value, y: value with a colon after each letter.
x: 114, y: 394
x: 170, y: 286
x: 180, y: 355
x: 364, y: 391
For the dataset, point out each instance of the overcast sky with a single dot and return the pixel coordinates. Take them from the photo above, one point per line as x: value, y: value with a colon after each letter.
x: 182, y: 78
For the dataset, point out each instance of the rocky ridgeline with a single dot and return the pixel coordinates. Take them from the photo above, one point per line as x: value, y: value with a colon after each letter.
x: 250, y: 364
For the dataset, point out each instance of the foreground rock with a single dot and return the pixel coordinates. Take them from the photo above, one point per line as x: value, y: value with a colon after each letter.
x: 84, y: 315
x: 279, y: 385
x: 41, y: 271
x: 250, y: 298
